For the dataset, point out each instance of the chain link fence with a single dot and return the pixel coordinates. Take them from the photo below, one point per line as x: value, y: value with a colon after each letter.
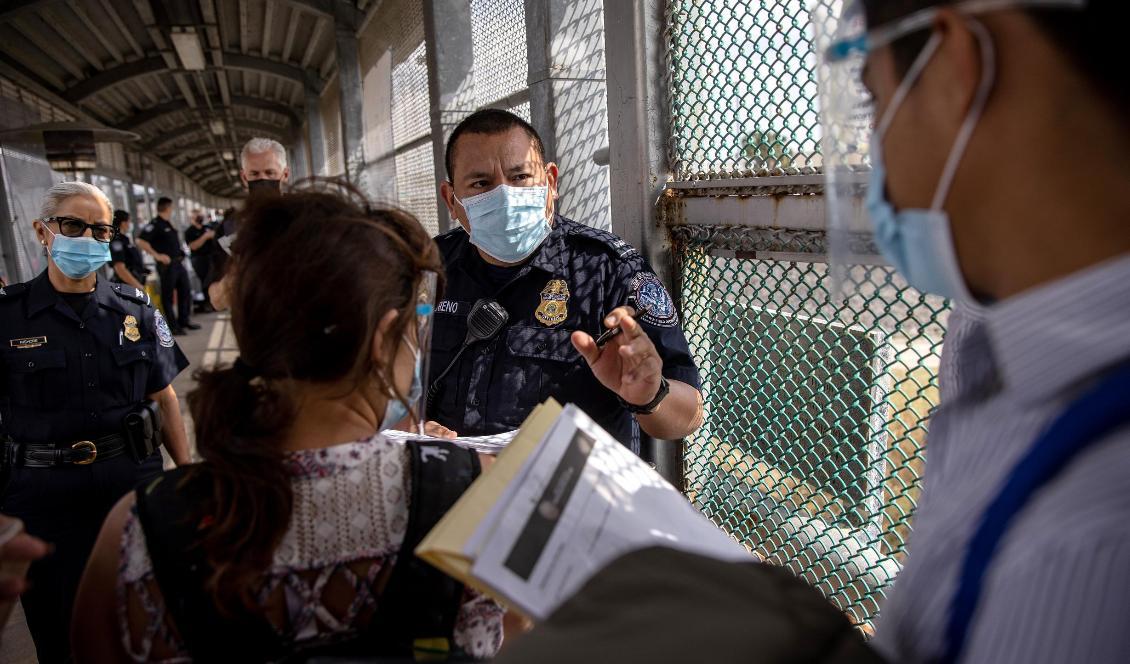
x: 816, y: 404
x: 498, y: 41
x: 742, y: 89
x: 415, y: 167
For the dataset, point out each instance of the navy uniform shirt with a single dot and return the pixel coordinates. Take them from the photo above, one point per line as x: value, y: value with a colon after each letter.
x: 163, y: 237
x: 122, y: 250
x: 70, y: 376
x: 193, y: 233
x: 574, y: 279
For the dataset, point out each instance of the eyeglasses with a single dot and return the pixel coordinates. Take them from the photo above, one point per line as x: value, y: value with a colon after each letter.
x: 71, y: 227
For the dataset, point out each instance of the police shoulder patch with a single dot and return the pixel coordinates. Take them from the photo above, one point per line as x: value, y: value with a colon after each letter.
x: 650, y: 293
x: 164, y: 334
x: 148, y: 228
x: 116, y: 245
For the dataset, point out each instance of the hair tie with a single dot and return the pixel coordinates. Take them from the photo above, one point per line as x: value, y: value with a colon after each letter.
x: 244, y: 369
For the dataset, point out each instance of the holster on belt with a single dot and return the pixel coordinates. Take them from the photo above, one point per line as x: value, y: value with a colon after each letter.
x: 142, y: 430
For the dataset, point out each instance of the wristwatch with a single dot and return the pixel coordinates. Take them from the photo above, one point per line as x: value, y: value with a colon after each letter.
x: 649, y: 407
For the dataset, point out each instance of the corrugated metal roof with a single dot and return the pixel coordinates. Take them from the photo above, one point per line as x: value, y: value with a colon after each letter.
x: 114, y: 61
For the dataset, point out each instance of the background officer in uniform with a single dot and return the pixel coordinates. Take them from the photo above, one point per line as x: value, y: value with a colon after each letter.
x: 79, y: 355
x: 125, y: 258
x: 562, y: 283
x: 161, y: 241
x: 263, y: 170
x: 201, y: 240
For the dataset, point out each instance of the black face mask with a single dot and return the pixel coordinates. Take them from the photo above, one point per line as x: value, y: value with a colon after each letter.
x: 264, y: 186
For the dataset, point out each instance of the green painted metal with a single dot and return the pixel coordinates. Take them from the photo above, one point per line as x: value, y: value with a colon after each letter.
x: 816, y: 404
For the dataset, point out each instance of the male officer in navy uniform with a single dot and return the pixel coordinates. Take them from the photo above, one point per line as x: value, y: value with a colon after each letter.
x: 125, y: 258
x: 160, y: 240
x: 562, y: 283
x: 81, y: 358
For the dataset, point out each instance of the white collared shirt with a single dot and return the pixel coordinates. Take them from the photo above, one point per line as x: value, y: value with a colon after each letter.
x: 1058, y: 589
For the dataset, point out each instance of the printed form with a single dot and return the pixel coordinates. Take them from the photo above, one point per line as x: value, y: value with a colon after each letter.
x: 580, y: 501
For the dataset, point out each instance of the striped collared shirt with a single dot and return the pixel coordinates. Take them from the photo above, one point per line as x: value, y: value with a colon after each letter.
x: 1058, y: 589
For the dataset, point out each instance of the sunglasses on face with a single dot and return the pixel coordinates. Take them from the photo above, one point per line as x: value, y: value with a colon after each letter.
x: 71, y: 227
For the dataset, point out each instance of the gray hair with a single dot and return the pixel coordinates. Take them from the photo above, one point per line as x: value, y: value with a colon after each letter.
x: 261, y: 145
x: 64, y: 190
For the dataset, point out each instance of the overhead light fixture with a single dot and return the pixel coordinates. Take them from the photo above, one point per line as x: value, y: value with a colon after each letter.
x: 234, y: 173
x: 187, y: 45
x: 217, y: 127
x: 227, y: 154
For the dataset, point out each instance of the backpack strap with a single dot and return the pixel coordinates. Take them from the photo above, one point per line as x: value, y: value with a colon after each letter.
x: 420, y: 604
x: 416, y: 612
x: 165, y: 508
x: 1101, y: 410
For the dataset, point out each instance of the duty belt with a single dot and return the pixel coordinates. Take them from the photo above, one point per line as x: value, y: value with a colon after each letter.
x: 78, y: 453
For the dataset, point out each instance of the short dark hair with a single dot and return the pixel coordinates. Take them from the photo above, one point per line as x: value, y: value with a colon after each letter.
x: 490, y: 121
x: 163, y: 203
x: 1090, y: 36
x: 119, y: 217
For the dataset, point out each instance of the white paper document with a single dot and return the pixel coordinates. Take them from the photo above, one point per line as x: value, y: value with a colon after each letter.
x: 486, y: 444
x: 579, y: 502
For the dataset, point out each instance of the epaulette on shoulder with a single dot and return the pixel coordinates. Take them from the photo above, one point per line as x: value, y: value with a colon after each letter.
x: 450, y: 241
x: 611, y: 242
x: 13, y: 291
x: 130, y: 293
x: 450, y: 236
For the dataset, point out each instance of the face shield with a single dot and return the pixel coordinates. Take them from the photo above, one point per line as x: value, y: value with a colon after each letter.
x: 425, y: 310
x: 848, y: 112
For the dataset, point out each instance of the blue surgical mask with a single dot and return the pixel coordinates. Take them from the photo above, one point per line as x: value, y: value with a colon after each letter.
x: 77, y: 257
x: 396, y: 410
x: 919, y: 242
x: 508, y: 223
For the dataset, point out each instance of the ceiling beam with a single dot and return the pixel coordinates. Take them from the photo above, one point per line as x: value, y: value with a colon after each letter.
x: 106, y: 43
x: 55, y: 22
x: 202, y: 166
x: 161, y: 143
x: 103, y: 80
x: 212, y: 176
x: 30, y: 25
x: 143, y: 116
x: 319, y: 26
x: 155, y: 64
x: 121, y: 26
x: 291, y: 31
x: 13, y: 8
x: 268, y: 21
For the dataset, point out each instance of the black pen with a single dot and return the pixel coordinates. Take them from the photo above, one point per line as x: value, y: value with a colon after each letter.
x: 609, y: 334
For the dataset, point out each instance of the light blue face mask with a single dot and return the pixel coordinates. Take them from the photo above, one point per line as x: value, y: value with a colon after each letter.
x: 396, y: 410
x: 77, y: 257
x: 508, y: 223
x: 918, y: 242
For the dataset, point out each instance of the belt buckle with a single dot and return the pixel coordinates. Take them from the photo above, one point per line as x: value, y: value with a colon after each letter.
x: 86, y: 444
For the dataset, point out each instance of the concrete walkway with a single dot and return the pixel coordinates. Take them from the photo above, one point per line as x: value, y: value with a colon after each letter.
x: 213, y: 344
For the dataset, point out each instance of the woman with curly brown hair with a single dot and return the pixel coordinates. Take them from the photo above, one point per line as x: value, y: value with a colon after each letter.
x: 294, y: 536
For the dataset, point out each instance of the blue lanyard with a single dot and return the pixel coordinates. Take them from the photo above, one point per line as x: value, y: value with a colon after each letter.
x: 1098, y: 412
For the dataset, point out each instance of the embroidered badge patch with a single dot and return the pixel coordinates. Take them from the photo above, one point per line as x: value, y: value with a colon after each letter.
x: 649, y: 292
x: 553, y: 309
x: 164, y: 334
x: 27, y: 342
x: 129, y: 329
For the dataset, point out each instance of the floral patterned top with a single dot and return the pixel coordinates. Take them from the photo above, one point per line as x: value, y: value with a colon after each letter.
x: 349, y: 519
